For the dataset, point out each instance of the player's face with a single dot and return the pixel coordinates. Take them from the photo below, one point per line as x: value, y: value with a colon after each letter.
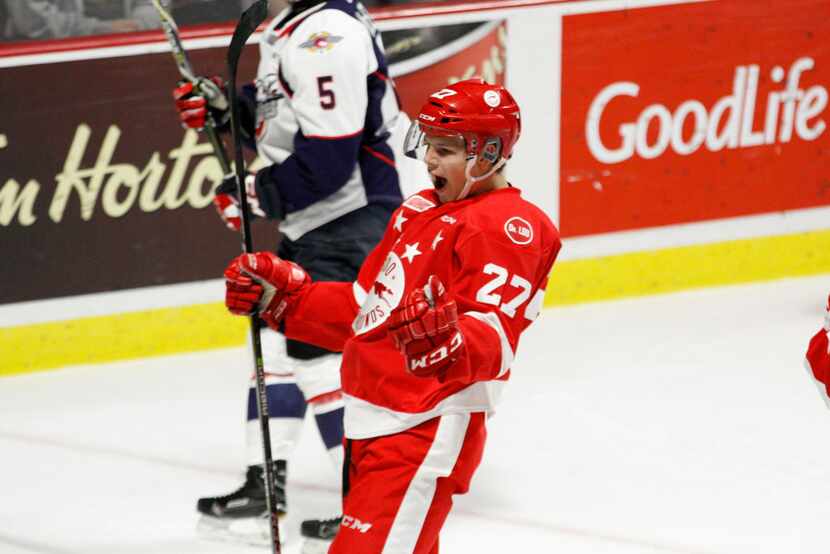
x: 446, y: 159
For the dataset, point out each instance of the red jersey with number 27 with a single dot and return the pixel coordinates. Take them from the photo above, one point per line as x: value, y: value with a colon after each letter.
x: 493, y: 252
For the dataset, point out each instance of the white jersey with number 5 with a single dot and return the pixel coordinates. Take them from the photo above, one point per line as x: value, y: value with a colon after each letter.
x: 324, y: 108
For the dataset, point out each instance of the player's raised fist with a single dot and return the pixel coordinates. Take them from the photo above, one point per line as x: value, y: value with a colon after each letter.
x: 195, y: 101
x: 425, y: 329
x: 818, y: 354
x: 264, y: 284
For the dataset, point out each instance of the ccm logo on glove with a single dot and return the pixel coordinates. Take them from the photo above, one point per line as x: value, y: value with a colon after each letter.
x: 425, y: 329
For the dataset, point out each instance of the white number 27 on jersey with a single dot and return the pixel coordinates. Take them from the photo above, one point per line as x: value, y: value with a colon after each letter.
x: 486, y: 294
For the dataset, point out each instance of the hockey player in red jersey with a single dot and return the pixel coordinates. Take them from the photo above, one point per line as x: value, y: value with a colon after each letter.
x: 818, y: 357
x: 429, y: 329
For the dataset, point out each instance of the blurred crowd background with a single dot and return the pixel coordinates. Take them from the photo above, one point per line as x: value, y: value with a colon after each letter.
x: 53, y: 19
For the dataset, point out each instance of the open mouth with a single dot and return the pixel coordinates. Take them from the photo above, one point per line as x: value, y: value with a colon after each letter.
x: 439, y: 182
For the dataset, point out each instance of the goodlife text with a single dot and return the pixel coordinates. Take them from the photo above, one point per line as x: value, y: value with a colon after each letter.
x: 730, y: 123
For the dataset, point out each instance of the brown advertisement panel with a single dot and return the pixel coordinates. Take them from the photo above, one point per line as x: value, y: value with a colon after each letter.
x: 101, y: 189
x: 693, y: 112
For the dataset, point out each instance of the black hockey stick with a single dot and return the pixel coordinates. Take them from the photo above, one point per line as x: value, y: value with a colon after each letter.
x: 248, y: 22
x: 171, y: 31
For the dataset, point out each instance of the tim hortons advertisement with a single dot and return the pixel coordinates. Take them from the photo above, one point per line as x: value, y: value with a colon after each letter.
x: 101, y: 189
x: 694, y: 112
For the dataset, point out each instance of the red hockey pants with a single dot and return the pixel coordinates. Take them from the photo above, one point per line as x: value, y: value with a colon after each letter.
x: 401, y: 486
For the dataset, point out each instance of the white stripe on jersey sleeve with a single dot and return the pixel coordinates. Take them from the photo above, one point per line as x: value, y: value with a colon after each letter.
x: 493, y: 321
x: 341, y: 70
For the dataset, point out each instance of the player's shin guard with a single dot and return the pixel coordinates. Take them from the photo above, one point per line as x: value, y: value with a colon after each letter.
x: 319, y: 379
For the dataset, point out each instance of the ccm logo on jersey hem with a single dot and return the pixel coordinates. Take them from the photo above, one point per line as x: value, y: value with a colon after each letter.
x: 518, y: 230
x: 350, y: 522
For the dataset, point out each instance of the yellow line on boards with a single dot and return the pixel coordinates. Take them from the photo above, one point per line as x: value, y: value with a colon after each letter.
x: 166, y: 331
x: 119, y: 337
x: 674, y: 269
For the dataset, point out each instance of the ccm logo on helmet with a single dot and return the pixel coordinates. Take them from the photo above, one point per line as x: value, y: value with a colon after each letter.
x: 518, y: 230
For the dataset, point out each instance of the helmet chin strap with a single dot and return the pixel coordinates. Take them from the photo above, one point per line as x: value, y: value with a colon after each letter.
x: 468, y: 184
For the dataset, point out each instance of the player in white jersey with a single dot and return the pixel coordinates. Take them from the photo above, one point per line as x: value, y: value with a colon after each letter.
x: 321, y: 112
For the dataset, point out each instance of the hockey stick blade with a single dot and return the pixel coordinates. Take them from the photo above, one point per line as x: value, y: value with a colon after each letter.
x: 171, y: 31
x: 248, y: 22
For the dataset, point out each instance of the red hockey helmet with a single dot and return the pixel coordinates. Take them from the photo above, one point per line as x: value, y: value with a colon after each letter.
x: 485, y: 115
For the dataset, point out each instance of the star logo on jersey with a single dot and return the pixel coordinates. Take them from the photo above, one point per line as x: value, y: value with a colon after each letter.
x: 438, y: 238
x: 321, y: 42
x: 411, y: 252
x: 399, y: 221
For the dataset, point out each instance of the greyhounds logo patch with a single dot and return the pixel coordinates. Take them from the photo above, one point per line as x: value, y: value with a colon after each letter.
x: 518, y: 230
x: 383, y: 296
x: 321, y: 42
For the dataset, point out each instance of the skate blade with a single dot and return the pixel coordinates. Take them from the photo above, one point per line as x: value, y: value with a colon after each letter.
x: 315, y: 546
x: 253, y: 531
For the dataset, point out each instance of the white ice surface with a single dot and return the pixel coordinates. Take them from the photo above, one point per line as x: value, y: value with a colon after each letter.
x: 682, y: 423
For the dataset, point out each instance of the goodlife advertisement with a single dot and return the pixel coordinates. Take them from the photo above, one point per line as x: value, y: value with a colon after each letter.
x: 693, y: 112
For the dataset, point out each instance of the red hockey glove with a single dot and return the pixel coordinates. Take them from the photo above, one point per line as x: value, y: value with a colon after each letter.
x: 194, y: 101
x: 425, y: 329
x: 818, y: 353
x: 265, y: 284
x: 226, y: 203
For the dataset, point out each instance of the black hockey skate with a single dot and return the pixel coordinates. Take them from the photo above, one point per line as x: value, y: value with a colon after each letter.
x: 249, y: 499
x: 318, y: 534
x: 243, y: 514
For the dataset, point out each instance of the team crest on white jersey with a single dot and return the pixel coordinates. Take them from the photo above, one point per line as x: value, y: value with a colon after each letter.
x: 268, y: 94
x: 321, y: 42
x: 383, y: 296
x: 518, y: 230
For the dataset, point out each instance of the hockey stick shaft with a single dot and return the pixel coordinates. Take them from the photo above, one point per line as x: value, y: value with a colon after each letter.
x: 248, y: 22
x: 171, y: 31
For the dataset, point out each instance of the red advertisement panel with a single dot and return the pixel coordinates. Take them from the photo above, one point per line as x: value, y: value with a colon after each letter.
x: 443, y: 55
x: 694, y: 112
